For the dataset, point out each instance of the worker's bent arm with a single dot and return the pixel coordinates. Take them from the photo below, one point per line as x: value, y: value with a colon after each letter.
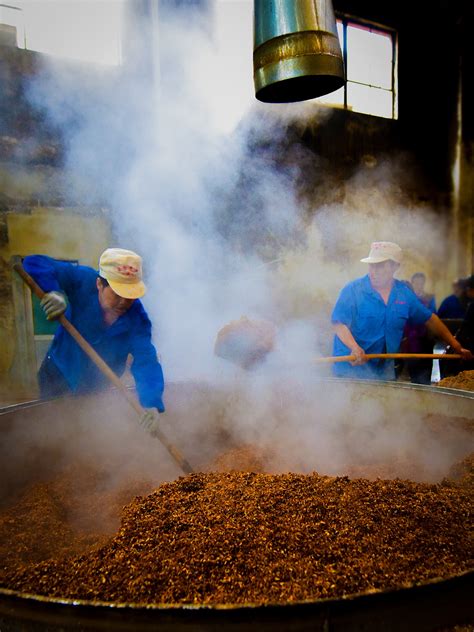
x: 50, y: 274
x: 345, y: 336
x: 439, y: 329
x: 146, y: 369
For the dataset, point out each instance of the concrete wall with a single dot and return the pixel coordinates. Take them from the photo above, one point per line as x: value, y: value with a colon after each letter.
x: 59, y: 233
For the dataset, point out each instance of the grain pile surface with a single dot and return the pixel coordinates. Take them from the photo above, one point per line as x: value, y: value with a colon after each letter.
x: 463, y: 471
x: 463, y: 380
x: 65, y: 516
x: 240, y: 537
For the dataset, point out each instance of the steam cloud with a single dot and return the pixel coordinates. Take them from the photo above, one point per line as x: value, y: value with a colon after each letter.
x: 247, y: 221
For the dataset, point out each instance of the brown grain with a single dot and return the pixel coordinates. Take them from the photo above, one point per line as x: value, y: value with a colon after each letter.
x: 240, y: 537
x: 463, y: 380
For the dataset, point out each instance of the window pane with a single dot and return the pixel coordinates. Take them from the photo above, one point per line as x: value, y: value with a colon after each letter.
x: 369, y: 100
x: 369, y: 56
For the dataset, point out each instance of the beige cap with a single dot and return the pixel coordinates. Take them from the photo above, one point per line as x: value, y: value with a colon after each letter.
x: 123, y: 271
x: 384, y: 251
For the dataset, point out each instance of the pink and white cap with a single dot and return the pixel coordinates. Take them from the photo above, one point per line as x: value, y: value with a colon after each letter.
x: 123, y: 271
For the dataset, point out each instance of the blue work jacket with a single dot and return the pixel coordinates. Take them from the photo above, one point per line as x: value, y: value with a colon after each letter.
x: 129, y: 334
x: 376, y: 327
x: 451, y: 307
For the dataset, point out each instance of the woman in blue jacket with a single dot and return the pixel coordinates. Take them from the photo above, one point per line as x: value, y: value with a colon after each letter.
x: 105, y: 308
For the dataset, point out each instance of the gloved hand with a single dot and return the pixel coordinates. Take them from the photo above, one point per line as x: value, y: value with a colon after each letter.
x: 54, y: 304
x: 150, y: 420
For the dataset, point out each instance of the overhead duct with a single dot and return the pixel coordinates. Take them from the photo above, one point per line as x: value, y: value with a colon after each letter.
x: 296, y: 55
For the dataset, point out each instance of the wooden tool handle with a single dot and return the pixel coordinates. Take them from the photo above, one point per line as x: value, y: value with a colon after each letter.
x: 391, y: 356
x: 104, y: 367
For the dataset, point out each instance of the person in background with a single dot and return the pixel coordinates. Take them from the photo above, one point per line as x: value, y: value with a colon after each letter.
x: 465, y: 334
x: 371, y: 313
x: 416, y: 338
x: 104, y: 307
x: 418, y: 281
x: 454, y: 305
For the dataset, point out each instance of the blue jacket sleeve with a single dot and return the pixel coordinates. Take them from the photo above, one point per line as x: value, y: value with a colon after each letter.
x: 145, y: 368
x: 51, y: 275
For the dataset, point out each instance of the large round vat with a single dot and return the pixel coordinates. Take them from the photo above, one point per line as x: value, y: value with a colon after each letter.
x: 325, y: 425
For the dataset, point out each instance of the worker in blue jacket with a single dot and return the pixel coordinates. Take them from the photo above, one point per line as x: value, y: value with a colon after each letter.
x: 105, y: 308
x: 455, y: 305
x: 370, y: 315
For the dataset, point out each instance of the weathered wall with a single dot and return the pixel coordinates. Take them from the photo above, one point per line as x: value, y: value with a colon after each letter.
x: 34, y: 216
x: 7, y: 320
x: 60, y: 233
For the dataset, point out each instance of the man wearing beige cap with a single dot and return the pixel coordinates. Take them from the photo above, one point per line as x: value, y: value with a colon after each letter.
x: 105, y: 307
x: 370, y: 315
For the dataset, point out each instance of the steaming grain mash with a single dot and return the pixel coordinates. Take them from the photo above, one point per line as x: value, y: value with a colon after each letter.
x: 235, y: 535
x: 463, y: 380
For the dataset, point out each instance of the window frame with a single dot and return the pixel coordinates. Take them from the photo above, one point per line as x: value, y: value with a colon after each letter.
x: 349, y: 20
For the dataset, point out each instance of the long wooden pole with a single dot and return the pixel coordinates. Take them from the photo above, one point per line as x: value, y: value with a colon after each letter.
x: 106, y: 370
x: 390, y: 356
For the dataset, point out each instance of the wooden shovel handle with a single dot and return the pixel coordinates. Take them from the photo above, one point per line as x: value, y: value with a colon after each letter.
x: 391, y: 356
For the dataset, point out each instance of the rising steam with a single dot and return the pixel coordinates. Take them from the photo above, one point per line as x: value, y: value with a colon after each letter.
x: 230, y: 220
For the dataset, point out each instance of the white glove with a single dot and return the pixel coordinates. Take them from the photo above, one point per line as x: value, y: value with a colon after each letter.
x: 54, y: 304
x: 150, y: 420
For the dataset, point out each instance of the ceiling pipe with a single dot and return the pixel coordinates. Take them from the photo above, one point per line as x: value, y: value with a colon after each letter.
x: 297, y: 55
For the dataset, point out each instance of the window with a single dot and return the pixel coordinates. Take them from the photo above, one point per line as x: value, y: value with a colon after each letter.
x: 370, y: 61
x: 88, y: 31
